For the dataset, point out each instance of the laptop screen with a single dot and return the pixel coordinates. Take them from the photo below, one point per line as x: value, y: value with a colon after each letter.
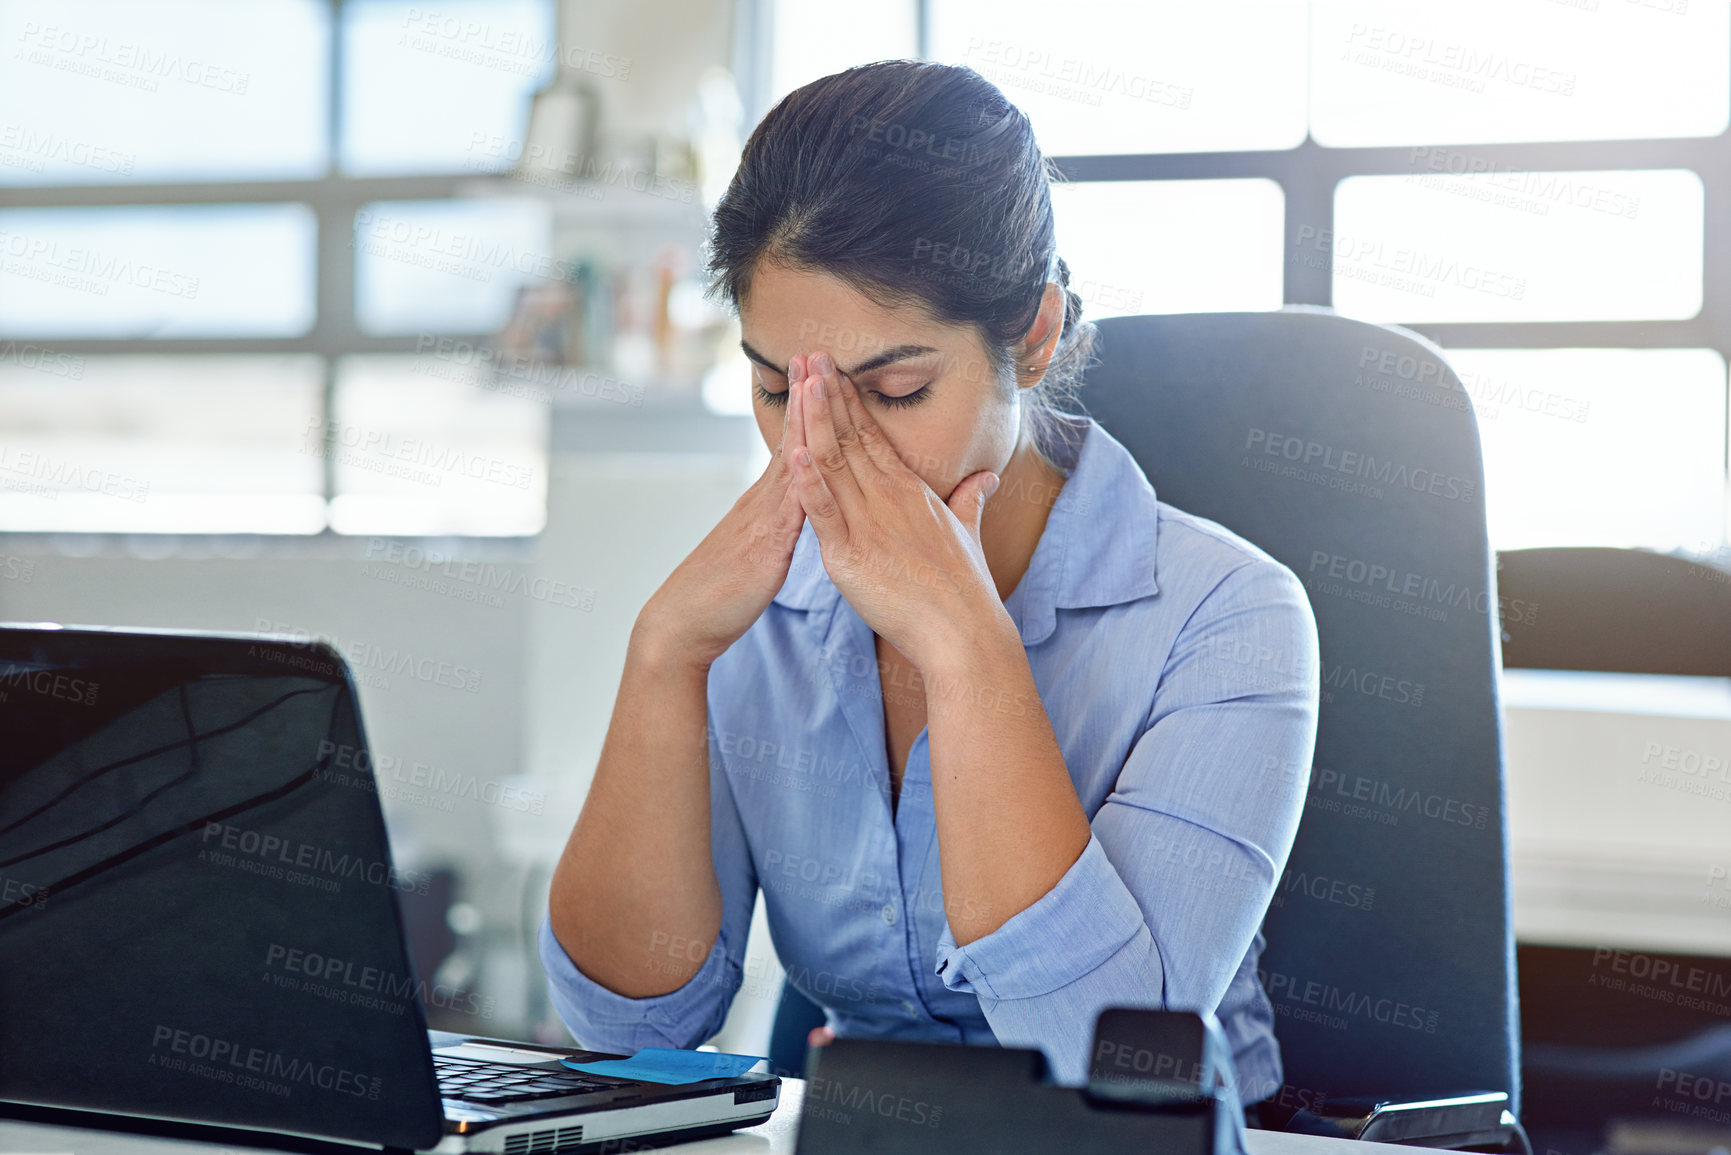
x: 198, y: 913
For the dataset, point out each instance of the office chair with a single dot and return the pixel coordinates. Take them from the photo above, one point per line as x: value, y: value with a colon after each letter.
x: 1593, y: 1052
x: 1349, y: 452
x: 1627, y: 611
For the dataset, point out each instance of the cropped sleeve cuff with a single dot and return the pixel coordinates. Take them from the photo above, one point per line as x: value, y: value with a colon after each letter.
x: 1069, y: 931
x: 604, y: 1020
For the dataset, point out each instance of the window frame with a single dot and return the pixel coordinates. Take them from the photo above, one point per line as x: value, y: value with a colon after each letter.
x: 1308, y: 175
x: 334, y: 199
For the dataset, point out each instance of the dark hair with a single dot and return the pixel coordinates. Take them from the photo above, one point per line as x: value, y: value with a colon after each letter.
x: 915, y: 183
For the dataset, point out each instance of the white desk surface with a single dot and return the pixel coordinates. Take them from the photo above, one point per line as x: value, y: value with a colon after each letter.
x: 775, y: 1137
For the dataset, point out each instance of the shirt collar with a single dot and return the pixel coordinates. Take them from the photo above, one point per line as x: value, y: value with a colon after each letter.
x: 1098, y: 547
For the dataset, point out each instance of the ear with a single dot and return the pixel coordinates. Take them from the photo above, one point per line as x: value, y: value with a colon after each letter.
x: 968, y: 499
x: 1041, y: 342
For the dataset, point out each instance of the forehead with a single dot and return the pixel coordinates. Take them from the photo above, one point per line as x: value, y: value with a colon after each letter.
x: 789, y: 311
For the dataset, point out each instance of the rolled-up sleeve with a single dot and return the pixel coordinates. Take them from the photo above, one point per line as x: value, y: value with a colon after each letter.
x: 601, y: 1019
x: 1184, y: 854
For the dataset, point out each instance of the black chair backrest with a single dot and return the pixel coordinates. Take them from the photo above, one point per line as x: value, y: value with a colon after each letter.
x: 1350, y: 452
x: 1595, y: 1050
x: 1619, y: 610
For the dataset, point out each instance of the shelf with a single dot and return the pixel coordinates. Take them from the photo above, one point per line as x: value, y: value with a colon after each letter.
x: 666, y: 422
x: 576, y: 202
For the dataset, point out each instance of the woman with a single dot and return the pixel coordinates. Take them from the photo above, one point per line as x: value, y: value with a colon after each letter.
x: 1003, y: 739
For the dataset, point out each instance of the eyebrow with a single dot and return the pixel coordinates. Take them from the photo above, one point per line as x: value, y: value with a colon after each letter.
x: 887, y: 357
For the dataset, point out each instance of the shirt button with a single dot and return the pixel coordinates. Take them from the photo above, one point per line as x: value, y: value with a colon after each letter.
x: 889, y: 913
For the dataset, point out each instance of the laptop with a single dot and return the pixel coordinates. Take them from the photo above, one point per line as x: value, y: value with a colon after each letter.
x: 199, y: 917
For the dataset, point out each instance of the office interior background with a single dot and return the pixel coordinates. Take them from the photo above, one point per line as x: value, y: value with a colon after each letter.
x: 384, y: 323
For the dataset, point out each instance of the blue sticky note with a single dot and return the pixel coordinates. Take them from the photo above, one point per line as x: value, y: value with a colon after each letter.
x: 664, y: 1065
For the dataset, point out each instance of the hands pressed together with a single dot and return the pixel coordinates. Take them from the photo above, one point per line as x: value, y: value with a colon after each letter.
x: 908, y: 561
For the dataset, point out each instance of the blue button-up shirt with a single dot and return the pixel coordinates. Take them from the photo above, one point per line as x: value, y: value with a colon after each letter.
x: 1178, y: 666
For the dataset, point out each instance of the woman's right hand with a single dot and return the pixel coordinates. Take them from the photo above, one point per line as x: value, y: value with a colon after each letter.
x: 726, y: 583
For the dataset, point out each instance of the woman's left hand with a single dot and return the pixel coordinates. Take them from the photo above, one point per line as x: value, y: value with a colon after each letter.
x: 908, y: 562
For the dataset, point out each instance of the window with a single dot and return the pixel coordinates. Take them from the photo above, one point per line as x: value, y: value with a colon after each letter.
x: 153, y: 272
x: 177, y: 90
x: 190, y: 358
x: 429, y: 88
x: 813, y: 38
x: 1171, y: 246
x: 1127, y: 76
x: 1619, y: 447
x: 1404, y: 73
x: 441, y: 266
x: 158, y: 444
x: 1519, y: 246
x: 1526, y: 182
x: 417, y: 449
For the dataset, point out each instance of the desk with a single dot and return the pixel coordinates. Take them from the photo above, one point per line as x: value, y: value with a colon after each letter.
x: 775, y: 1137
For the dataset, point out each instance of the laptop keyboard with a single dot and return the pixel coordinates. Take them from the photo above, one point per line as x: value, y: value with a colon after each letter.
x: 482, y: 1082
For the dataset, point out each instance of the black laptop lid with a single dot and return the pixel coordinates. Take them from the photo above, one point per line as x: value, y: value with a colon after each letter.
x: 197, y: 904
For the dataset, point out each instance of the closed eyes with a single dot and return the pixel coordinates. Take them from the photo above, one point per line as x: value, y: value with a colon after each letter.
x: 894, y: 402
